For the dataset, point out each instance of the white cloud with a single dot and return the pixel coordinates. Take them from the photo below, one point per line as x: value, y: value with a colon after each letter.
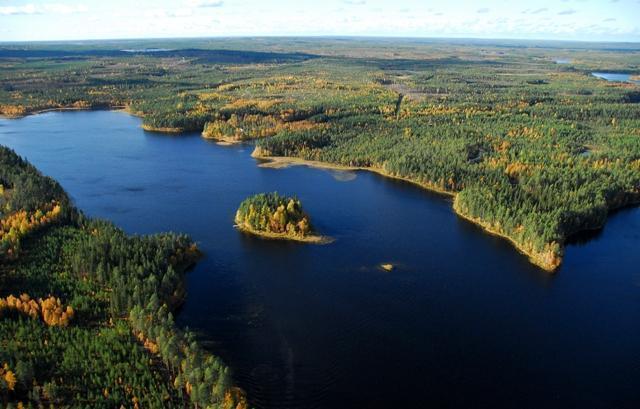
x: 537, y: 11
x: 18, y: 10
x: 188, y: 9
x: 183, y: 12
x: 204, y: 3
x: 51, y: 8
x: 195, y: 18
x: 65, y: 9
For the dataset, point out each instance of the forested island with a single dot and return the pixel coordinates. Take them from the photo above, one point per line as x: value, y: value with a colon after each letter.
x: 273, y: 216
x: 531, y: 150
x: 87, y: 312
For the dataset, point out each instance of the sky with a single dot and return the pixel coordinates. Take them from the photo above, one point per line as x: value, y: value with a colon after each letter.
x: 584, y: 20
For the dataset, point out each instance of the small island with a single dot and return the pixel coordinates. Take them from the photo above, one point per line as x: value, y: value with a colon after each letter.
x: 272, y: 216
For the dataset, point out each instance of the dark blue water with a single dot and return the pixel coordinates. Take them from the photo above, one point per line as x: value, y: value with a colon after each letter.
x: 463, y: 322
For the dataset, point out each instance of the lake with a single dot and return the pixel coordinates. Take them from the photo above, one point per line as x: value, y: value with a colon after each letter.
x: 463, y: 321
x: 614, y: 76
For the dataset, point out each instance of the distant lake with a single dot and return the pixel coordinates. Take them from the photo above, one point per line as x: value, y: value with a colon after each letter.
x: 464, y: 321
x: 563, y: 61
x: 614, y: 76
x: 147, y: 50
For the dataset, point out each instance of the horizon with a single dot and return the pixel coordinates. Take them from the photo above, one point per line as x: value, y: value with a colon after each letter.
x: 321, y: 37
x: 567, y: 20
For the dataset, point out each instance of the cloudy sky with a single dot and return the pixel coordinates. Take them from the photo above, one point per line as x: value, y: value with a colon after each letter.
x: 610, y: 20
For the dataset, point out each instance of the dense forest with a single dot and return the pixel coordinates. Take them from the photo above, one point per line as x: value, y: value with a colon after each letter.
x: 533, y: 150
x: 86, y: 312
x: 275, y: 216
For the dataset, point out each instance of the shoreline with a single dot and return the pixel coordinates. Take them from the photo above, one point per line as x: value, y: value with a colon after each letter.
x: 167, y: 130
x: 117, y: 108
x: 223, y: 141
x: 179, y: 256
x: 62, y: 109
x: 278, y: 162
x: 548, y: 261
x: 312, y: 239
x: 534, y: 257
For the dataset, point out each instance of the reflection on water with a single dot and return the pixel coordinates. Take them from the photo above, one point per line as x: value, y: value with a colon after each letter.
x: 343, y: 175
x: 463, y: 321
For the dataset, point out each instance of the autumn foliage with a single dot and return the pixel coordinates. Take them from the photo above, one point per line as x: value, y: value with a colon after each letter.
x: 272, y: 213
x: 20, y: 223
x: 8, y: 376
x: 12, y: 110
x: 253, y: 126
x: 50, y: 310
